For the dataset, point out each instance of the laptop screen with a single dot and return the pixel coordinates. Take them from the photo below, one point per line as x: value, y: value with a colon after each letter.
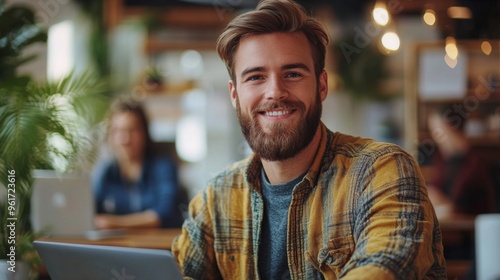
x: 82, y: 262
x: 62, y: 204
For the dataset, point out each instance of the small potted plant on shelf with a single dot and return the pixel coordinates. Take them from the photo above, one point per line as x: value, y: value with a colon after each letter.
x: 154, y: 80
x: 43, y: 125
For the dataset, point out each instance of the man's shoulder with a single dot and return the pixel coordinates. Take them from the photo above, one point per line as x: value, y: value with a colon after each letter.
x: 355, y: 146
x: 233, y: 175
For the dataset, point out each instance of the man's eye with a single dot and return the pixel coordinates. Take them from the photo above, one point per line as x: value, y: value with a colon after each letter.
x: 293, y: 75
x: 254, y: 78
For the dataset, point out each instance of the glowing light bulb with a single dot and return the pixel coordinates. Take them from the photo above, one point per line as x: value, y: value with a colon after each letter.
x: 429, y: 17
x: 451, y: 48
x: 486, y: 47
x: 380, y: 14
x: 390, y: 41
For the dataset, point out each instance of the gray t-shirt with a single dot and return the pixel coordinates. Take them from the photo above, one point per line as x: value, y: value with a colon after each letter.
x: 273, y: 262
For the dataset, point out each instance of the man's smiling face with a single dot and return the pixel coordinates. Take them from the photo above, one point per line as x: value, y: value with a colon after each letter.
x: 277, y: 94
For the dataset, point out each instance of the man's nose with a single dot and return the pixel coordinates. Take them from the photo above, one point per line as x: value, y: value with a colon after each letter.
x: 276, y: 89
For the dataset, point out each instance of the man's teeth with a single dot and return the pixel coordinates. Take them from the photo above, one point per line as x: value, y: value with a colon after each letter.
x: 276, y: 113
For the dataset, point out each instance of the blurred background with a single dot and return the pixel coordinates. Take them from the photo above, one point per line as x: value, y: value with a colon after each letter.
x: 391, y: 65
x: 163, y: 53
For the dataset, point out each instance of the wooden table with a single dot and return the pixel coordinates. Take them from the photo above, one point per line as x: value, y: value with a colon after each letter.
x: 455, y: 227
x: 139, y: 238
x: 456, y: 230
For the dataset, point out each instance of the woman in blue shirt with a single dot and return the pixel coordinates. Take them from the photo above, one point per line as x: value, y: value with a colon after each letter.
x: 135, y: 189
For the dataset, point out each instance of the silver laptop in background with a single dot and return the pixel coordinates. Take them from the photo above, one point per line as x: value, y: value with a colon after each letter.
x: 83, y: 262
x: 62, y: 204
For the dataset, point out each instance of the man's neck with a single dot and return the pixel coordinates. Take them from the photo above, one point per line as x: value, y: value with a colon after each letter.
x: 279, y: 172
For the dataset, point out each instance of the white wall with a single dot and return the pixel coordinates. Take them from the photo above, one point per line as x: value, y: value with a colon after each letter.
x: 224, y: 139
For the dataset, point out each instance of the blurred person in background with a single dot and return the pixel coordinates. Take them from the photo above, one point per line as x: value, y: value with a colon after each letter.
x: 135, y: 189
x: 462, y: 183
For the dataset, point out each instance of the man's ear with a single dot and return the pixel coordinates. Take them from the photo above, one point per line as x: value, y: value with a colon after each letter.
x: 323, y: 85
x: 233, y: 93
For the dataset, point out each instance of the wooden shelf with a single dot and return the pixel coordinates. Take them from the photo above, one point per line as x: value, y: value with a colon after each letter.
x: 154, y: 46
x: 494, y: 98
x: 194, y: 16
x: 480, y: 100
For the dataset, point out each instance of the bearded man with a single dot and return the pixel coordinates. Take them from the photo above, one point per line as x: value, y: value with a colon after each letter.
x: 308, y: 203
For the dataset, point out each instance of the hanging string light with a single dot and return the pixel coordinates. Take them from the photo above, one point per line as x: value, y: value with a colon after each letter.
x: 390, y: 41
x: 380, y: 14
x: 429, y: 17
x: 486, y: 47
x: 451, y: 49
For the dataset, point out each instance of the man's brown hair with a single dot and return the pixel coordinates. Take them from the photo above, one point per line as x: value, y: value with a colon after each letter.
x: 273, y: 16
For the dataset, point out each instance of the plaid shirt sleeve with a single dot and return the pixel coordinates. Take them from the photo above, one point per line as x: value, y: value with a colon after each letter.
x: 395, y: 229
x: 216, y: 241
x: 367, y: 215
x: 193, y: 249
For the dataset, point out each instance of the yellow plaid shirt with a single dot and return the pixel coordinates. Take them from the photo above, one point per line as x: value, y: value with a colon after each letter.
x: 360, y: 212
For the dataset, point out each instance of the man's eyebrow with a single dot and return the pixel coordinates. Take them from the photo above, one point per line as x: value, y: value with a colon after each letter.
x: 252, y: 69
x: 296, y: 65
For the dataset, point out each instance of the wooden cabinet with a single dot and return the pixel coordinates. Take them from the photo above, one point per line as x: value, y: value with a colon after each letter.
x: 466, y: 92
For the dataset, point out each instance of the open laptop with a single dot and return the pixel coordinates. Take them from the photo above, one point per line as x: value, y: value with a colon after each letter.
x: 82, y: 262
x: 62, y: 205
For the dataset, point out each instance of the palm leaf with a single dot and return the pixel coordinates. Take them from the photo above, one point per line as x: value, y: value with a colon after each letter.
x: 32, y: 113
x: 14, y: 19
x: 29, y: 116
x: 17, y: 30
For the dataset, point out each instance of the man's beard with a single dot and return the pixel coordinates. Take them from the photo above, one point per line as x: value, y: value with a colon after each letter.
x: 281, y: 142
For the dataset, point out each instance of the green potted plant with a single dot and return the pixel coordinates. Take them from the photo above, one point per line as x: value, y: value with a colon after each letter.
x: 154, y: 79
x: 362, y: 69
x: 43, y: 125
